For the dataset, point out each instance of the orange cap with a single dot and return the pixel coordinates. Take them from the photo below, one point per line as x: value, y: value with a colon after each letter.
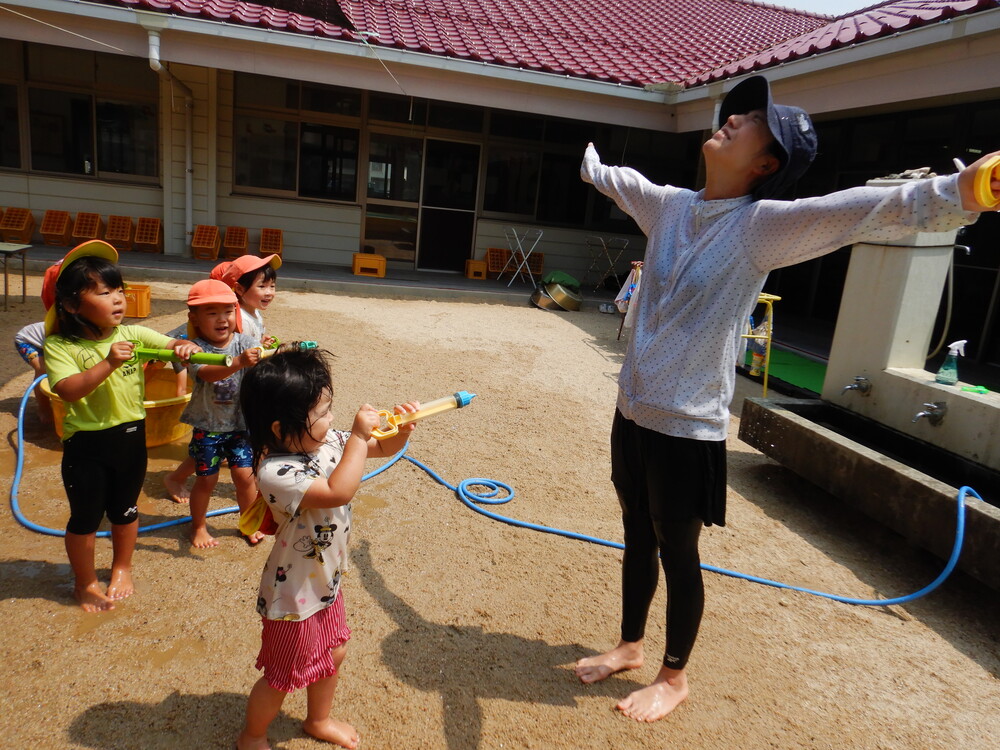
x: 210, y: 292
x: 96, y: 248
x: 232, y: 271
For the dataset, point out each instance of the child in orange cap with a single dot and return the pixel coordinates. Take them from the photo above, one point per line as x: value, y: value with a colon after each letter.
x: 252, y: 279
x: 215, y: 324
x: 91, y: 367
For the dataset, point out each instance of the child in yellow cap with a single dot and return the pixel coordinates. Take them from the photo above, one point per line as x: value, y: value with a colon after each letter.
x: 91, y: 367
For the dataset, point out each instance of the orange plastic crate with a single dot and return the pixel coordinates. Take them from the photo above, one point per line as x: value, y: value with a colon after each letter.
x: 235, y: 242
x: 368, y: 264
x: 137, y: 300
x: 271, y: 242
x: 17, y: 225
x: 148, y: 235
x: 55, y: 229
x: 87, y: 227
x: 205, y: 242
x: 475, y: 269
x: 496, y: 259
x: 119, y: 232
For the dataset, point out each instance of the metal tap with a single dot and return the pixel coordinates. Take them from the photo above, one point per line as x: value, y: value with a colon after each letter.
x: 934, y: 412
x: 861, y: 384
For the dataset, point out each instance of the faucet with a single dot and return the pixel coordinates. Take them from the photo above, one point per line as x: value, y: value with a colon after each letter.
x: 934, y: 412
x: 861, y: 384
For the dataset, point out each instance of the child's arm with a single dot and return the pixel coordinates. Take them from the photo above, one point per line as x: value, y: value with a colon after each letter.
x: 392, y: 446
x: 183, y: 348
x: 342, y: 484
x: 82, y: 384
x: 213, y: 373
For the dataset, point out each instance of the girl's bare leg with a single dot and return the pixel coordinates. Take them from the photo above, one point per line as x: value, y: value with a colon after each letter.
x: 246, y: 493
x: 123, y: 536
x: 176, y: 481
x: 262, y: 708
x: 86, y: 588
x: 319, y: 701
x: 42, y: 401
x: 201, y: 493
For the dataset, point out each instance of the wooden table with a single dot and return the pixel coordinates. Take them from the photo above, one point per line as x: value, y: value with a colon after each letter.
x: 10, y: 249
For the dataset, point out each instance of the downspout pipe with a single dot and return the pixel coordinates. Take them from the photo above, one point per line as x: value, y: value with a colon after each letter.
x: 156, y: 65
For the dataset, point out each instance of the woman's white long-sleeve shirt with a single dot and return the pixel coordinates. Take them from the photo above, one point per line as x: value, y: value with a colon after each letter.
x: 705, y: 265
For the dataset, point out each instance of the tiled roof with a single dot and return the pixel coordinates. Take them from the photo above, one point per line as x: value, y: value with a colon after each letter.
x: 871, y: 23
x: 629, y: 42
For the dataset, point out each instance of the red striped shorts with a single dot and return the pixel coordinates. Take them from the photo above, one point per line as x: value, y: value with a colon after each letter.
x: 296, y: 653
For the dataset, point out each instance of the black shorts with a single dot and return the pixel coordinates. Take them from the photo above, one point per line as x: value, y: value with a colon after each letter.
x: 679, y: 478
x: 103, y: 472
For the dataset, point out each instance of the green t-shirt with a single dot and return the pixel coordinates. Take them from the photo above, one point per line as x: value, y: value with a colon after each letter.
x: 115, y: 401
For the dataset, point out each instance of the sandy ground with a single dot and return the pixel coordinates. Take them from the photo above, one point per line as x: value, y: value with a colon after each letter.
x: 466, y: 629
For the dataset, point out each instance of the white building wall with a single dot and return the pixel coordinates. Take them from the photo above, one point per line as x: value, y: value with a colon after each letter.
x: 312, y: 232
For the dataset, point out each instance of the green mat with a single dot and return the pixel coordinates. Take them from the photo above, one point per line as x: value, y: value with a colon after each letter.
x: 798, y: 370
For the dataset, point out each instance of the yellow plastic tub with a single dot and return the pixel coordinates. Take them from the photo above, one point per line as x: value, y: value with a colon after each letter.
x: 163, y: 408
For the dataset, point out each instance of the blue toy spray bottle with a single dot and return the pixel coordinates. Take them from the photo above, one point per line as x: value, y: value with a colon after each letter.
x: 948, y: 374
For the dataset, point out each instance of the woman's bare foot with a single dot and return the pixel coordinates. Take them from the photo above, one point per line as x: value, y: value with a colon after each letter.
x: 177, y: 489
x: 655, y: 701
x: 121, y: 585
x: 337, y: 732
x: 626, y: 655
x: 201, y: 539
x: 92, y: 599
x: 243, y: 742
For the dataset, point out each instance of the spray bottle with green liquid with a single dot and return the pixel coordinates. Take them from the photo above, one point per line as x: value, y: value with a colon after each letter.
x: 948, y: 374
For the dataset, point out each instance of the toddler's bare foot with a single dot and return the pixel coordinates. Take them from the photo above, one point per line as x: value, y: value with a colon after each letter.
x: 337, y: 732
x: 177, y: 489
x: 201, y: 539
x: 92, y: 599
x: 121, y: 585
x: 655, y: 701
x: 626, y: 655
x: 243, y: 742
x: 254, y: 539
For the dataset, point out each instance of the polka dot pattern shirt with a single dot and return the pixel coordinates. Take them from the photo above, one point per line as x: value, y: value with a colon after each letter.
x: 705, y: 265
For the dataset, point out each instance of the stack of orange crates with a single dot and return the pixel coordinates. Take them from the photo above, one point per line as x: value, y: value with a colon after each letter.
x: 17, y: 225
x: 271, y: 242
x: 119, y: 232
x: 55, y: 229
x: 205, y: 242
x: 87, y: 226
x: 235, y: 242
x: 148, y: 235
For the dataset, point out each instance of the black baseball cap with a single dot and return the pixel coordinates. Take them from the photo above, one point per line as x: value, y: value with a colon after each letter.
x: 791, y: 127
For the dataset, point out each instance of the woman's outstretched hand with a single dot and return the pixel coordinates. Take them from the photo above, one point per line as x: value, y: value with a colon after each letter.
x: 967, y: 184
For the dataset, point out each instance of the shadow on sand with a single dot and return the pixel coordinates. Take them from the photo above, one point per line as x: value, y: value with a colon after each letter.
x: 464, y: 664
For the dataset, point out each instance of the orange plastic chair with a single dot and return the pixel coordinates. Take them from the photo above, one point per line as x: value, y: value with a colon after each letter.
x: 206, y: 242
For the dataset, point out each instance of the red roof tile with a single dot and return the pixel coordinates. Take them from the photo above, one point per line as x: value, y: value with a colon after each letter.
x: 877, y: 21
x: 630, y: 42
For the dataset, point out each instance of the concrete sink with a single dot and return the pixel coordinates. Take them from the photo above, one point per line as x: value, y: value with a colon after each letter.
x: 906, y: 484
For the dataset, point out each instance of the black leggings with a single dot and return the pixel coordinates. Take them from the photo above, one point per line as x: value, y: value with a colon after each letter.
x: 662, y: 485
x: 103, y: 472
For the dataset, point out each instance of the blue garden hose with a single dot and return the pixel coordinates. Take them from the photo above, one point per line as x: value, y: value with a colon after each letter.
x: 488, y: 496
